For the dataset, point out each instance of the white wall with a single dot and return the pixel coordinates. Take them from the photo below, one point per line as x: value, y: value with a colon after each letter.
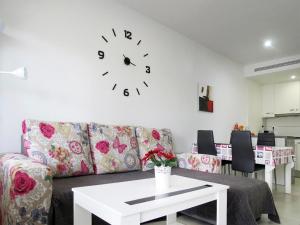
x: 254, y: 106
x: 58, y: 41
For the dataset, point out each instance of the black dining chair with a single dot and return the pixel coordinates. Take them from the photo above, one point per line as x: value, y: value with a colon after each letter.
x: 267, y: 139
x: 206, y: 145
x: 243, y: 159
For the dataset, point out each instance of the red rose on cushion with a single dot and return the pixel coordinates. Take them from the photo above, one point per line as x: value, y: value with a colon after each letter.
x: 22, y: 184
x: 156, y: 135
x: 47, y: 130
x: 24, y: 128
x: 103, y: 146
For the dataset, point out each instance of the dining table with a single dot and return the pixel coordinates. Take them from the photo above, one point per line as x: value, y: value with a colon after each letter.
x: 269, y: 156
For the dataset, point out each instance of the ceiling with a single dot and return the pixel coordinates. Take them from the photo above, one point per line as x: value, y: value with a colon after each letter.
x: 233, y: 28
x: 277, y: 77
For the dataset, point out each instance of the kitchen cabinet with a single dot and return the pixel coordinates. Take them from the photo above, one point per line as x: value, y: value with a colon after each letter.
x: 268, y: 108
x: 287, y: 98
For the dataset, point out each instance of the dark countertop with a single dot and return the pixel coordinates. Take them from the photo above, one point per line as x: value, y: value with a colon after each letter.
x: 281, y: 136
x: 291, y: 137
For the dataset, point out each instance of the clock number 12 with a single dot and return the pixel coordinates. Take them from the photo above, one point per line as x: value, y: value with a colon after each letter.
x: 128, y: 34
x: 126, y: 92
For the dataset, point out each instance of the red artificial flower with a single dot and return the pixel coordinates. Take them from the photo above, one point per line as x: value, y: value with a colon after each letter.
x: 167, y: 155
x: 22, y: 184
x: 150, y: 154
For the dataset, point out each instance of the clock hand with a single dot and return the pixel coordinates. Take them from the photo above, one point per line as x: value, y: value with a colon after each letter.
x: 127, y: 61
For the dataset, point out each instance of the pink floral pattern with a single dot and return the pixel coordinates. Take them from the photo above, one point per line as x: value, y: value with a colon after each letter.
x: 149, y: 139
x: 133, y: 142
x: 103, y: 146
x: 200, y: 162
x: 156, y: 135
x: 113, y: 148
x: 22, y: 184
x: 61, y: 146
x: 25, y: 190
x: 75, y: 147
x: 47, y: 130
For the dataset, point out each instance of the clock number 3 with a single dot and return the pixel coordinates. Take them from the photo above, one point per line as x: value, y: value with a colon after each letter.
x: 126, y: 92
x: 128, y: 34
x: 101, y: 54
x: 147, y: 69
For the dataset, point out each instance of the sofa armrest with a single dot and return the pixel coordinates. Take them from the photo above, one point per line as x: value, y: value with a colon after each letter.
x: 200, y: 162
x: 25, y: 190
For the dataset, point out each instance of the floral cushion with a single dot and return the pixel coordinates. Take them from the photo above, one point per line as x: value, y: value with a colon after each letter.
x: 114, y: 148
x: 64, y: 147
x: 25, y: 190
x: 149, y: 139
x: 200, y: 162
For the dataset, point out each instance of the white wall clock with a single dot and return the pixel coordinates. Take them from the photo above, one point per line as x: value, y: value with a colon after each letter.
x: 129, y: 57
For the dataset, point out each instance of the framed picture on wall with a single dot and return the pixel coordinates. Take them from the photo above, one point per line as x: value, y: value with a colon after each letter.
x: 206, y: 103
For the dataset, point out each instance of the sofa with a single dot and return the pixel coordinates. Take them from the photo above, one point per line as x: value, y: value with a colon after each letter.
x: 35, y: 185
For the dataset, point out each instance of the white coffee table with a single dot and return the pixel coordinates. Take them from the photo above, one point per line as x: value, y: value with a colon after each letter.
x: 134, y: 202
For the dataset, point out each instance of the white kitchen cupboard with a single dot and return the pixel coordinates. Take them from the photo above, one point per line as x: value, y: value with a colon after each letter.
x: 287, y: 98
x: 268, y: 108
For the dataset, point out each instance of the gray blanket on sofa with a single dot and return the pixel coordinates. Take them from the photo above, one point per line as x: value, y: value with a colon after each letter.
x: 247, y: 198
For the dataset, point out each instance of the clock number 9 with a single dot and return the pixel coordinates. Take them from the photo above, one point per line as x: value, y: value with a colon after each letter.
x: 125, y: 92
x: 128, y: 34
x: 147, y: 69
x: 101, y: 54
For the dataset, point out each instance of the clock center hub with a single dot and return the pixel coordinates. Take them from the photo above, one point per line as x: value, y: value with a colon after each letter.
x: 127, y: 61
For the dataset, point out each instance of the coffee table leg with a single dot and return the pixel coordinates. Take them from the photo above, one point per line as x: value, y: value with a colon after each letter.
x: 222, y: 208
x: 81, y: 216
x: 132, y: 220
x: 172, y: 219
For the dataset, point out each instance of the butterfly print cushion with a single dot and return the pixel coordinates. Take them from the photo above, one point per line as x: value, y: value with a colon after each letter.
x: 64, y: 147
x: 150, y: 138
x: 114, y: 148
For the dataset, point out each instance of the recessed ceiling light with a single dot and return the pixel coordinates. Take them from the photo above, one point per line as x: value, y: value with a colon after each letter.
x: 268, y: 43
x: 293, y: 77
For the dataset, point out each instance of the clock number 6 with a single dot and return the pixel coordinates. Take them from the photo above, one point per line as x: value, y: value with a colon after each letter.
x: 128, y: 34
x: 125, y: 92
x: 101, y: 54
x: 147, y: 69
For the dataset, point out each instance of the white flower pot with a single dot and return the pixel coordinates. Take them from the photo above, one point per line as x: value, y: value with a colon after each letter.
x: 162, y: 178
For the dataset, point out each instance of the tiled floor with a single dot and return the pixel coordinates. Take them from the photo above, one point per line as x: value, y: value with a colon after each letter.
x: 288, y: 207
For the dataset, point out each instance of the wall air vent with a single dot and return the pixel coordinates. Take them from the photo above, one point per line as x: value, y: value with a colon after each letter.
x: 289, y: 63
